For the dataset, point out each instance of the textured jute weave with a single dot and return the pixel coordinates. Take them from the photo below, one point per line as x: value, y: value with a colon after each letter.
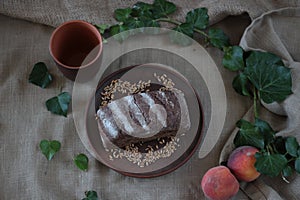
x: 55, y: 12
x: 25, y: 121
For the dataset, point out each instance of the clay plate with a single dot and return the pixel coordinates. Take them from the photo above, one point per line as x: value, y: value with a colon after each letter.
x: 188, y: 143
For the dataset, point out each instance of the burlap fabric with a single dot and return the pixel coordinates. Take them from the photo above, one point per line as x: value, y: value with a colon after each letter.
x: 26, y: 174
x: 55, y: 12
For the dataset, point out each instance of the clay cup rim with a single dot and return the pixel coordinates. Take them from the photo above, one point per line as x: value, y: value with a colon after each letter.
x: 91, y: 28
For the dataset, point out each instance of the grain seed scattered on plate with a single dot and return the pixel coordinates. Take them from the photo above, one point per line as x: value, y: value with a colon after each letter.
x: 131, y: 152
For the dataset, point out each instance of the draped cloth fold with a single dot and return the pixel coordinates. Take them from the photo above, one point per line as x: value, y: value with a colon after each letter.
x: 273, y: 32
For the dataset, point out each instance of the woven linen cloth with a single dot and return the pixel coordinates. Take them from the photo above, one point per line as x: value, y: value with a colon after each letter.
x: 272, y: 32
x: 24, y: 120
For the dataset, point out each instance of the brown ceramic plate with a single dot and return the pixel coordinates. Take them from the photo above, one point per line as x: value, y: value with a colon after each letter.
x: 185, y: 145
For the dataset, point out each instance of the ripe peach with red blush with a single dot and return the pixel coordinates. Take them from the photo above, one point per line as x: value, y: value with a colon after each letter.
x: 241, y: 162
x: 218, y: 183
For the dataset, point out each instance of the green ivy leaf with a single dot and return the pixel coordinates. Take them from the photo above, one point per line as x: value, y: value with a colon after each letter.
x: 90, y: 195
x: 119, y: 32
x: 241, y: 84
x: 262, y: 58
x: 162, y: 8
x: 185, y: 28
x: 116, y: 29
x: 292, y: 146
x: 233, y: 58
x: 287, y: 171
x: 297, y: 165
x: 102, y: 27
x: 270, y: 164
x: 271, y: 79
x: 266, y: 130
x: 49, y: 148
x: 177, y: 36
x: 198, y: 17
x: 141, y: 9
x: 122, y: 14
x: 218, y: 38
x: 40, y: 76
x: 81, y: 161
x: 149, y: 22
x: 134, y: 23
x: 298, y: 151
x: 60, y: 104
x: 248, y: 135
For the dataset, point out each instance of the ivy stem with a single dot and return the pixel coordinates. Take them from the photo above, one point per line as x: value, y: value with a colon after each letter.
x: 168, y: 20
x: 283, y: 178
x: 270, y: 148
x: 201, y: 32
x: 172, y: 21
x: 255, y: 102
x: 286, y: 153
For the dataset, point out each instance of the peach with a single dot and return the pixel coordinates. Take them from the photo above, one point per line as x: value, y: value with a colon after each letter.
x: 241, y: 162
x: 218, y: 183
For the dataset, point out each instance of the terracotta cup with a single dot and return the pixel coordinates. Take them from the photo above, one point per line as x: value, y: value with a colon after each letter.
x: 75, y: 45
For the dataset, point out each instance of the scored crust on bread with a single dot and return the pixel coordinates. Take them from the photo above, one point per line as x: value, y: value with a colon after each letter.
x: 143, y: 117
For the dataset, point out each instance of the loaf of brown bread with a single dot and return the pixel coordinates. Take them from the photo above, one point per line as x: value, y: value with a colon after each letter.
x: 143, y: 117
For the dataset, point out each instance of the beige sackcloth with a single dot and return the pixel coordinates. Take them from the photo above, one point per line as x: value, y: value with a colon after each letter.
x: 24, y: 120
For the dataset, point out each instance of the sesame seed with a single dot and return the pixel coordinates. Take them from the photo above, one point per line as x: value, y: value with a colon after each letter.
x: 131, y: 152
